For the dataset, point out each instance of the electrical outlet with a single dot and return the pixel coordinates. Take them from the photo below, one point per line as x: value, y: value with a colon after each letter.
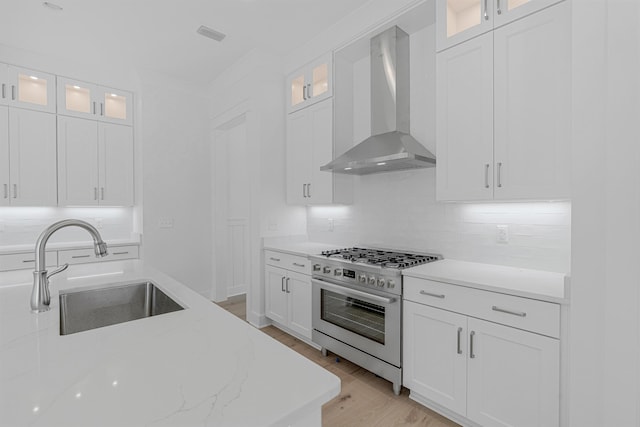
x: 98, y: 223
x: 165, y: 223
x: 330, y: 224
x: 503, y: 234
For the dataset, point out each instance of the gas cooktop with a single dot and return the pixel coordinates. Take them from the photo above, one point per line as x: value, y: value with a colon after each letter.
x: 381, y: 257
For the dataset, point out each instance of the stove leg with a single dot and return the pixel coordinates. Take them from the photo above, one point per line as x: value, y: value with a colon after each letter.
x: 324, y: 352
x: 396, y: 388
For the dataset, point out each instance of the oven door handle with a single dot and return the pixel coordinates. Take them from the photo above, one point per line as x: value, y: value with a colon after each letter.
x: 353, y: 293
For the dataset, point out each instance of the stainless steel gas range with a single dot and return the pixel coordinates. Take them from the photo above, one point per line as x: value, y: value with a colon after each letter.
x: 357, y: 306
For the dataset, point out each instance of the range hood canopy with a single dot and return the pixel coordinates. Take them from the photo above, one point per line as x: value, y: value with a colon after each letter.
x: 390, y: 147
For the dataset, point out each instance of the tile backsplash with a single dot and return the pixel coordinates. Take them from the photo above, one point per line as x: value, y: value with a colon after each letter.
x: 398, y: 210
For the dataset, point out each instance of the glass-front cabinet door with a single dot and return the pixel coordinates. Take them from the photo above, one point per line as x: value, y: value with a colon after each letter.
x: 310, y: 84
x: 5, y: 87
x: 87, y: 100
x: 509, y: 10
x: 29, y: 89
x: 116, y: 106
x: 460, y: 20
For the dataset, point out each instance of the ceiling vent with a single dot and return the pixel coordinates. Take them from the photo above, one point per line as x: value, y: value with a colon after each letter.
x: 211, y: 33
x: 52, y: 6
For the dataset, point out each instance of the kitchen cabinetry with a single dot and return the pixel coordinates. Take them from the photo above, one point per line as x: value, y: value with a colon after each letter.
x: 28, y: 158
x: 309, y: 146
x: 88, y: 100
x: 288, y: 292
x: 24, y: 88
x: 310, y: 84
x: 95, y: 163
x: 461, y: 20
x: 487, y: 357
x: 503, y: 103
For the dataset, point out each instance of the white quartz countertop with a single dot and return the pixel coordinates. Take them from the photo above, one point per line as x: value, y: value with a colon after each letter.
x: 200, y: 366
x: 300, y: 248
x: 541, y: 285
x: 9, y: 249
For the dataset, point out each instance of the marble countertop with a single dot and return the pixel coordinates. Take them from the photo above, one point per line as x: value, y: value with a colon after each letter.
x: 199, y: 366
x: 303, y: 248
x: 541, y: 285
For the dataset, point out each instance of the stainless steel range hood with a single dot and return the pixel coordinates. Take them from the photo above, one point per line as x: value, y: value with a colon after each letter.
x: 390, y: 147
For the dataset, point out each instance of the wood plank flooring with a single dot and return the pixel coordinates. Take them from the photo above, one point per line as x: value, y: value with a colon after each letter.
x: 365, y: 400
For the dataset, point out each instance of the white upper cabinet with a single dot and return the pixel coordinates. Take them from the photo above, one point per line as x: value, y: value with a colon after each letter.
x: 95, y: 163
x: 88, y: 100
x: 24, y: 88
x: 32, y: 158
x: 310, y: 84
x: 460, y: 20
x: 503, y: 112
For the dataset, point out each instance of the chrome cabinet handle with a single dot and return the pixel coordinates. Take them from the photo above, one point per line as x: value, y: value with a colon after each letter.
x: 499, y: 174
x: 432, y: 295
x: 288, y: 291
x: 13, y: 92
x: 504, y: 310
x: 486, y: 175
x: 101, y: 193
x: 471, y: 353
x: 304, y: 92
x: 486, y: 12
x: 274, y: 259
x: 308, y: 190
x: 28, y: 260
x: 499, y: 9
x: 6, y: 191
x: 15, y: 191
x: 80, y: 256
x: 102, y: 109
x: 309, y: 91
x: 95, y: 193
x: 4, y: 90
x: 120, y: 253
x: 282, y: 283
x: 459, y: 340
x: 94, y: 107
x: 298, y: 265
x: 304, y: 190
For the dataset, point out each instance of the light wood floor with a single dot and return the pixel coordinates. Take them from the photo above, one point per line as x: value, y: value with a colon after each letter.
x: 365, y: 400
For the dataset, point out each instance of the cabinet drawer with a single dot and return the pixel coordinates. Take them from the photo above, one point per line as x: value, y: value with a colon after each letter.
x: 82, y: 256
x: 25, y: 261
x: 296, y: 263
x: 528, y: 314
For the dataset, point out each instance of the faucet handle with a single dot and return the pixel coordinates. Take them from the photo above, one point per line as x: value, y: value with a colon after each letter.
x: 58, y: 270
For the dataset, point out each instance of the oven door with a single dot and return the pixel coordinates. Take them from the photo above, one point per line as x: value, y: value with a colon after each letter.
x: 367, y: 321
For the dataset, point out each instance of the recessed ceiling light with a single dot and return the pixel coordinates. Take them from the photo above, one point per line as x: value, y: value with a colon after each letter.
x: 52, y: 6
x: 211, y: 33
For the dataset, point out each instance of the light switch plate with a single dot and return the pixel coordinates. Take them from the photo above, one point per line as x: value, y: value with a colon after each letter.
x: 503, y: 234
x: 165, y: 223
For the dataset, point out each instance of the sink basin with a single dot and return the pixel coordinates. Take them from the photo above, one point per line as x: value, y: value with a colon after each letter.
x: 82, y: 310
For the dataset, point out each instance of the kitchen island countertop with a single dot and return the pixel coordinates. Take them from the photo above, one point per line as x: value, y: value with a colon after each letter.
x: 199, y: 366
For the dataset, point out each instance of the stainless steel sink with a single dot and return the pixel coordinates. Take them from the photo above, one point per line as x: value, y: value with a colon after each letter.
x: 83, y: 310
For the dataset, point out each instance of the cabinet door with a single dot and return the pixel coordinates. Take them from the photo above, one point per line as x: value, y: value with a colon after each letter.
x: 513, y: 377
x: 32, y: 89
x: 509, y: 10
x: 464, y: 121
x: 298, y: 287
x: 4, y: 156
x: 77, y: 161
x: 320, y: 78
x: 320, y: 189
x: 76, y: 98
x: 460, y: 20
x: 114, y: 106
x: 32, y: 156
x: 435, y: 355
x: 115, y: 154
x: 296, y: 90
x: 299, y: 154
x: 5, y: 86
x: 276, y: 295
x: 532, y: 106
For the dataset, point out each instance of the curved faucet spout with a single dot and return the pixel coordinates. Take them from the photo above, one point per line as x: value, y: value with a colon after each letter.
x: 40, y: 296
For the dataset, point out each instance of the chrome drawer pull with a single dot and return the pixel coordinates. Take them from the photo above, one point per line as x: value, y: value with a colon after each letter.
x: 28, y: 260
x: 274, y: 259
x: 459, y: 339
x: 431, y: 295
x: 471, y: 353
x: 80, y: 256
x: 120, y: 253
x: 298, y: 265
x: 515, y: 313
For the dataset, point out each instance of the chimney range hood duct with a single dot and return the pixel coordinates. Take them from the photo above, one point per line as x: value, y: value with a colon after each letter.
x: 390, y: 147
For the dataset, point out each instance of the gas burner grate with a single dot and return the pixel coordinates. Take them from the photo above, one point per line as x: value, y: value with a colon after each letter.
x: 381, y: 258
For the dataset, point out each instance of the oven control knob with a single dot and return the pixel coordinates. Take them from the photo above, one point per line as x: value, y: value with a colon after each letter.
x: 362, y: 278
x: 391, y: 284
x: 372, y: 280
x: 326, y: 270
x: 381, y: 283
x: 337, y: 272
x: 316, y: 267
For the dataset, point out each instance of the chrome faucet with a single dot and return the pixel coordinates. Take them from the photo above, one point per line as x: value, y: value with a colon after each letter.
x: 40, y: 297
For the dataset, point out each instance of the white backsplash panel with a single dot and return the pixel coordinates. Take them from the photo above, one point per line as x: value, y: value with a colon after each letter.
x: 398, y: 210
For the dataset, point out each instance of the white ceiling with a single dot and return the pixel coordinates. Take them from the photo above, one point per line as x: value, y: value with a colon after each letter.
x: 161, y: 34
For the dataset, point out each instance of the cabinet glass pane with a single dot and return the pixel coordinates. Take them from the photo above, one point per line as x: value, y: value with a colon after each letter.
x: 512, y: 4
x: 32, y: 89
x: 77, y: 98
x: 297, y: 90
x: 320, y: 79
x: 115, y: 106
x: 462, y: 15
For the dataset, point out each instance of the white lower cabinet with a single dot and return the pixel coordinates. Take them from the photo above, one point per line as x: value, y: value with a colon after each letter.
x: 482, y: 372
x: 288, y: 293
